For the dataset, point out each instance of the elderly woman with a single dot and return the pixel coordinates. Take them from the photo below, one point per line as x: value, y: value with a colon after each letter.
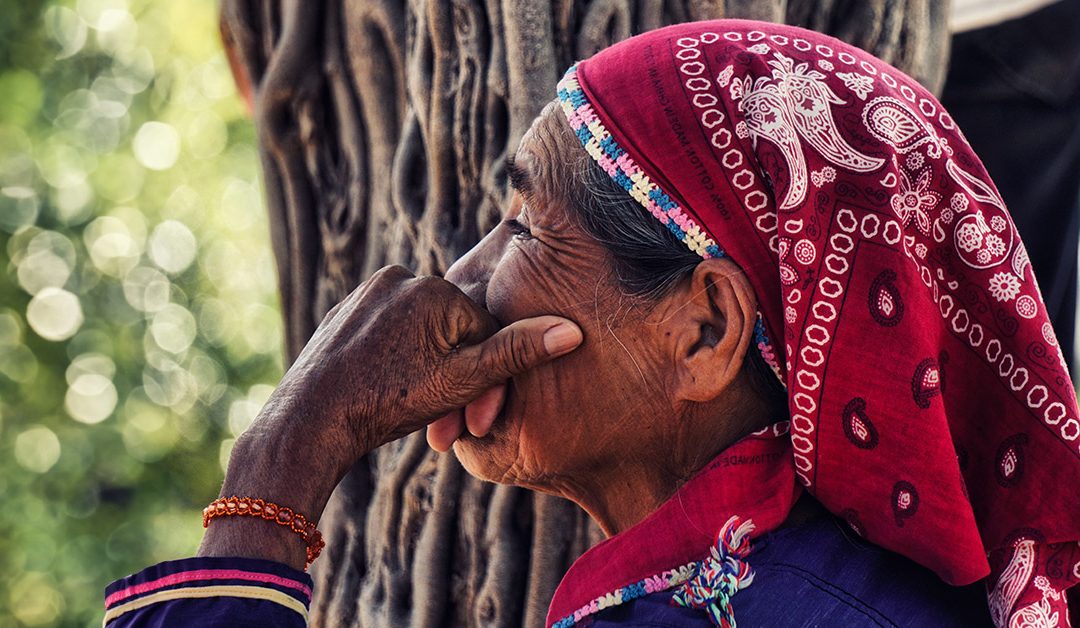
x: 757, y: 308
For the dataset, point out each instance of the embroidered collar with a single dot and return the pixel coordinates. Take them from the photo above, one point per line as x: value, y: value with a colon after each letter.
x: 752, y: 479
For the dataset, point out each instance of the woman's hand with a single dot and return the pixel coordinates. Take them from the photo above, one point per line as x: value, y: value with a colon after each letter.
x: 396, y: 354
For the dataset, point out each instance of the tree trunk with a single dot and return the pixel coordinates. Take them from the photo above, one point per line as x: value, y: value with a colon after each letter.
x: 384, y: 127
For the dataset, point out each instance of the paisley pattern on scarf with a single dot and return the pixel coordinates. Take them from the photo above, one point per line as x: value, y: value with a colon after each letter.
x: 928, y: 396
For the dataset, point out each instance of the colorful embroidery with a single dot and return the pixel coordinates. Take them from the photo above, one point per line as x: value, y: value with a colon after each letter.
x: 707, y: 585
x: 765, y: 348
x: 721, y: 575
x: 660, y: 582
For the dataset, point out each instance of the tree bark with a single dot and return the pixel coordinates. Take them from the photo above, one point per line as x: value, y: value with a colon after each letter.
x: 384, y: 128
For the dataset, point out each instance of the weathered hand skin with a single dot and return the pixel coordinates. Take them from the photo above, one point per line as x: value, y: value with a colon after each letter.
x: 401, y: 351
x: 397, y: 353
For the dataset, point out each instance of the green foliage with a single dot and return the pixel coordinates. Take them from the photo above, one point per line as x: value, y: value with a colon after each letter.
x: 139, y: 330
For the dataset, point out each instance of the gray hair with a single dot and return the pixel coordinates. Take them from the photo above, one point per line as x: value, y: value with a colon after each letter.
x: 649, y: 261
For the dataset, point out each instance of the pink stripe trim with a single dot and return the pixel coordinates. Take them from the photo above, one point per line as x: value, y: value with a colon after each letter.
x: 205, y: 574
x: 608, y: 165
x: 655, y: 210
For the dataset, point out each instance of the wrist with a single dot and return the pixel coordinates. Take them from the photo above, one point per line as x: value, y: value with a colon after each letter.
x: 283, y: 460
x: 260, y: 510
x: 293, y: 472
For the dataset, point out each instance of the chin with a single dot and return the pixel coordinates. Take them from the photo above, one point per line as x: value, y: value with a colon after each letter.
x: 490, y: 458
x: 497, y: 458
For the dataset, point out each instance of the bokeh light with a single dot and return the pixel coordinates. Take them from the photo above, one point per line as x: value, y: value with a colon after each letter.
x: 91, y: 398
x: 55, y: 314
x: 139, y: 326
x: 172, y: 246
x: 37, y: 449
x: 157, y: 145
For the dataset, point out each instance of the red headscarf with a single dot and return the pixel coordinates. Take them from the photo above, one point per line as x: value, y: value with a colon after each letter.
x: 930, y: 404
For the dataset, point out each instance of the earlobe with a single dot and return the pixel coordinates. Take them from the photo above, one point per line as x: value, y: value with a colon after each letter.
x: 713, y: 326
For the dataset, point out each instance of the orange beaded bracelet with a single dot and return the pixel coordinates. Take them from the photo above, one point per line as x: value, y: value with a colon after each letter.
x: 248, y: 507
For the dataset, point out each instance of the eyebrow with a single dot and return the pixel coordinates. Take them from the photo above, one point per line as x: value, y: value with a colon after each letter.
x: 520, y: 178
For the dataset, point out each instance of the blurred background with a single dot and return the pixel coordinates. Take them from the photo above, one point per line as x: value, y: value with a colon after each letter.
x: 139, y: 329
x: 139, y: 325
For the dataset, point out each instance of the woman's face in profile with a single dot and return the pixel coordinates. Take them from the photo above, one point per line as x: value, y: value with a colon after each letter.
x: 573, y: 414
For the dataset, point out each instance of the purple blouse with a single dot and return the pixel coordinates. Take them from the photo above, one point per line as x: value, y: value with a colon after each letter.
x: 210, y: 592
x: 816, y: 574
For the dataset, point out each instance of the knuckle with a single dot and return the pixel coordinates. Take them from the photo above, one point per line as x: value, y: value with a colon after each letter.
x: 391, y: 274
x: 446, y: 387
x: 397, y: 270
x: 428, y: 283
x: 515, y: 353
x: 461, y: 378
x: 331, y: 313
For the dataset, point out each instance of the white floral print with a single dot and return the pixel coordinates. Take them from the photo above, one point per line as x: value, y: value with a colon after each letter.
x: 969, y: 237
x: 913, y: 202
x: 860, y: 84
x: 958, y: 203
x: 995, y: 246
x: 1004, y: 286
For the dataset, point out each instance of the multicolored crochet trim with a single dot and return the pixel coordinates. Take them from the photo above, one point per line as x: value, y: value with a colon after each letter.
x: 765, y: 348
x: 617, y: 163
x: 720, y: 576
x: 660, y: 582
x: 603, y: 148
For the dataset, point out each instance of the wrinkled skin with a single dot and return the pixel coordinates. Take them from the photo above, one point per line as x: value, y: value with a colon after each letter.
x: 649, y: 392
x: 391, y: 357
x: 653, y: 380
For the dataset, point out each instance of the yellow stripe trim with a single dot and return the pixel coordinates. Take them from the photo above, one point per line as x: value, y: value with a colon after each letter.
x: 255, y: 593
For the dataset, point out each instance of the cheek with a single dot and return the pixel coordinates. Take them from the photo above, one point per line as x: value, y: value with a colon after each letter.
x: 520, y: 288
x: 532, y: 279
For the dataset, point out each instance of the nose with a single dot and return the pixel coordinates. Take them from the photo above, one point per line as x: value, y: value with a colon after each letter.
x: 472, y: 271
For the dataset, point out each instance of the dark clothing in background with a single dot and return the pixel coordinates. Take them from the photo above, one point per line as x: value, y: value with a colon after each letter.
x: 1014, y: 90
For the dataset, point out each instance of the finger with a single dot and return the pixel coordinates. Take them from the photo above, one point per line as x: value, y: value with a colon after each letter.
x: 445, y: 430
x: 481, y: 413
x: 514, y: 349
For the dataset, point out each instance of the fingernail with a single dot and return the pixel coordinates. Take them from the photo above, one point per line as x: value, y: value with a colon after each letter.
x: 561, y: 338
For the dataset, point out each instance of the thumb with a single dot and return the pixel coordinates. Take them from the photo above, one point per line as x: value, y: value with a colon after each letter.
x: 514, y: 349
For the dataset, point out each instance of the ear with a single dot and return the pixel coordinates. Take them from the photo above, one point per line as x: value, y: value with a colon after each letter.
x: 711, y: 322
